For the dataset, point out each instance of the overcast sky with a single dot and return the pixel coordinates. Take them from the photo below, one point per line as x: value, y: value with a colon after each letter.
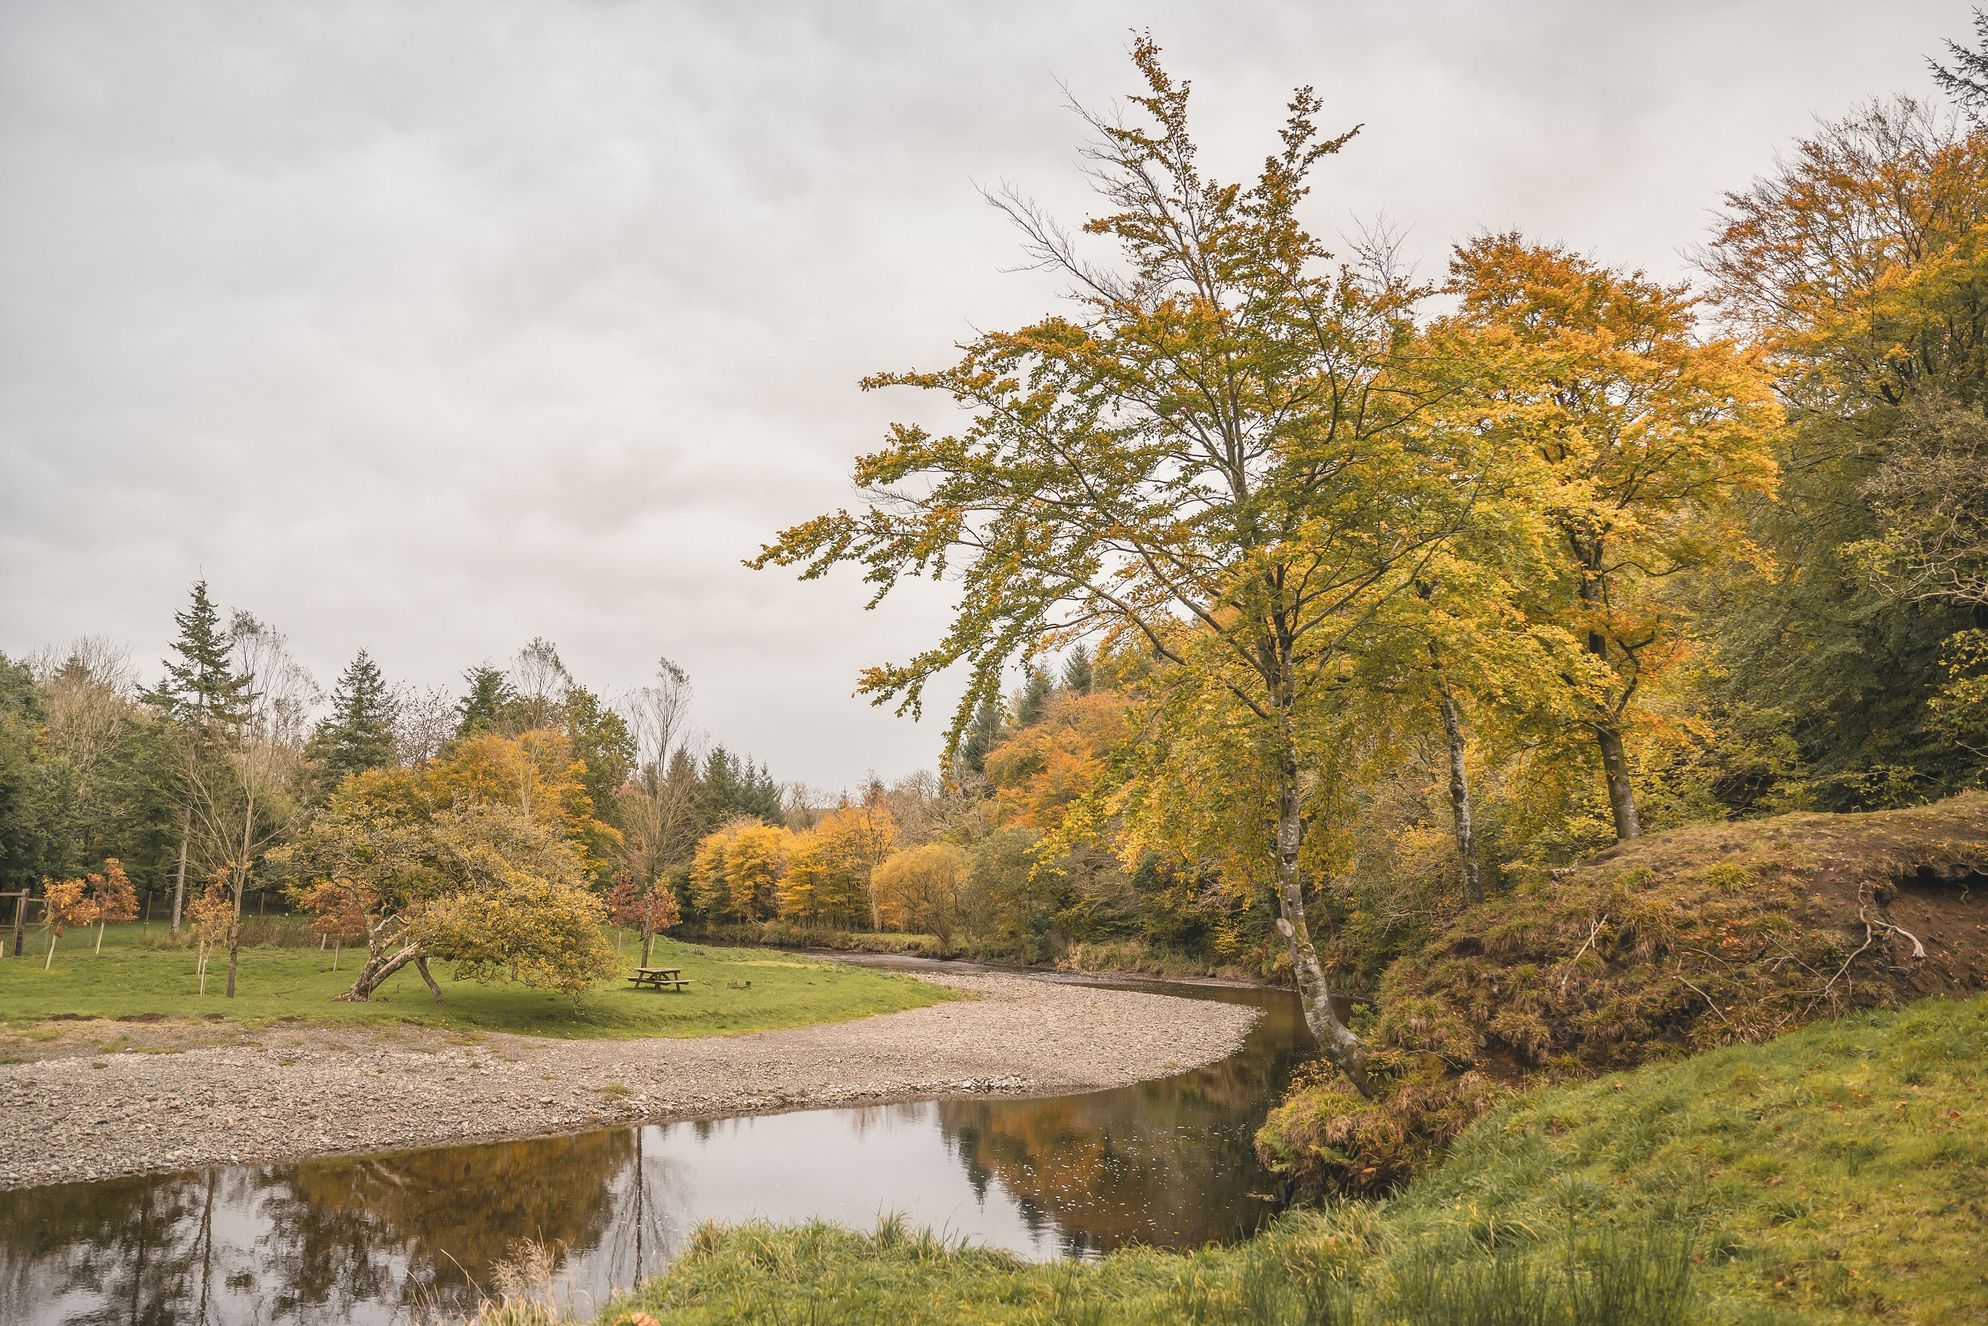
x: 431, y: 327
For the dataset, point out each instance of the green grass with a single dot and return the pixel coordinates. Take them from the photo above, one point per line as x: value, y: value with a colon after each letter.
x: 1836, y: 1175
x: 136, y: 977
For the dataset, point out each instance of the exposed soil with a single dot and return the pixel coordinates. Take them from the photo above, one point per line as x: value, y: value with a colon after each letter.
x: 83, y: 1113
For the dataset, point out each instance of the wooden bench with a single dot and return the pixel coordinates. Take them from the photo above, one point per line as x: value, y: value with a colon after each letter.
x: 658, y: 978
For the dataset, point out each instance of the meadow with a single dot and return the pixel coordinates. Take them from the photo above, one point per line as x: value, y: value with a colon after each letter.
x: 142, y: 976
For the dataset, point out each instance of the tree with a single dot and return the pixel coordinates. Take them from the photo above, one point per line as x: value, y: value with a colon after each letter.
x: 359, y: 732
x: 602, y: 742
x: 1648, y: 434
x: 982, y: 731
x: 65, y: 903
x: 246, y: 796
x: 207, y: 701
x: 536, y: 773
x: 1077, y: 676
x: 539, y: 685
x: 112, y: 898
x: 1860, y: 265
x: 1033, y: 698
x: 439, y: 872
x: 1966, y: 79
x: 737, y: 870
x: 918, y: 889
x: 658, y: 801
x: 1204, y: 455
x: 485, y: 702
x: 211, y: 917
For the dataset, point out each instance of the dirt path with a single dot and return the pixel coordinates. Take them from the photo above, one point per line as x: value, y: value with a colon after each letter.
x: 309, y: 1092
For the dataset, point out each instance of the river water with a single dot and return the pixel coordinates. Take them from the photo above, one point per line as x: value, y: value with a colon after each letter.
x: 411, y: 1234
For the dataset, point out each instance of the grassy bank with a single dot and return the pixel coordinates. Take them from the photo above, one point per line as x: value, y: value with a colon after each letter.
x: 1125, y: 957
x: 733, y: 990
x: 1835, y: 1175
x: 1682, y: 941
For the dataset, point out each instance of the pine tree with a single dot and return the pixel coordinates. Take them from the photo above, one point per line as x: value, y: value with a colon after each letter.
x: 979, y: 737
x: 486, y: 704
x: 208, y: 701
x: 202, y: 690
x: 1033, y: 701
x: 358, y: 735
x: 1077, y: 677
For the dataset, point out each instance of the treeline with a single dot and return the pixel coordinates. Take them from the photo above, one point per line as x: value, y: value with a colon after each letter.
x: 487, y: 827
x: 1412, y: 589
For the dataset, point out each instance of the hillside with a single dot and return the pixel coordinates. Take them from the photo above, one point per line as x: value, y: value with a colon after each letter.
x: 1703, y: 936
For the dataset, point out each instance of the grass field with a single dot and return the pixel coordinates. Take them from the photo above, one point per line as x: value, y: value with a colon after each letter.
x: 733, y: 990
x: 1837, y: 1175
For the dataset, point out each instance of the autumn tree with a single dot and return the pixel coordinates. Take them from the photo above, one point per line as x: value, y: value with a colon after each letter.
x: 1648, y: 433
x: 919, y: 888
x: 457, y: 869
x: 1860, y: 264
x: 112, y: 899
x: 737, y: 869
x: 1203, y: 453
x: 65, y: 903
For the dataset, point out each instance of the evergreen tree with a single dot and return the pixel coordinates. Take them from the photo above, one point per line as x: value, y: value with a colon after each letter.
x: 208, y: 702
x: 486, y: 705
x: 979, y: 737
x: 1033, y: 701
x: 1077, y: 677
x: 201, y: 689
x: 358, y: 735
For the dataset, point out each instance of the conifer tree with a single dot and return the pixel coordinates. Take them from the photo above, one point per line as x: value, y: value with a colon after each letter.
x: 1033, y: 701
x: 1077, y: 672
x: 207, y: 701
x: 485, y: 704
x: 358, y: 735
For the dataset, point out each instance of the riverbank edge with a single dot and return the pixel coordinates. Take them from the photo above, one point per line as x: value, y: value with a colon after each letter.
x: 59, y: 1118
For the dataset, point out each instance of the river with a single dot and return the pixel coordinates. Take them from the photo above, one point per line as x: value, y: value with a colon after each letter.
x: 407, y: 1235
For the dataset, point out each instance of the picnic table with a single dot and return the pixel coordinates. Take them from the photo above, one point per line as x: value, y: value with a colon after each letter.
x: 656, y: 978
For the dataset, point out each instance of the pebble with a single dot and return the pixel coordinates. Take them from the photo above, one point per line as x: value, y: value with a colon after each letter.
x: 1016, y: 1036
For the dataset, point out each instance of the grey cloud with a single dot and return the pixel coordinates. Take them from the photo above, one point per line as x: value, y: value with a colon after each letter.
x: 433, y: 327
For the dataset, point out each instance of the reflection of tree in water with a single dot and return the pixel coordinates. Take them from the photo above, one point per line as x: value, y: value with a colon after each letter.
x: 437, y: 1220
x: 130, y: 1245
x: 312, y: 1241
x: 1171, y: 1162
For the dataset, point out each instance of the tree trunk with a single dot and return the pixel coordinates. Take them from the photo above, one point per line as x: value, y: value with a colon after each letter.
x: 51, y: 951
x: 1621, y: 796
x: 648, y: 938
x: 179, y: 879
x: 234, y: 954
x: 1345, y: 1049
x: 100, y: 938
x: 421, y: 965
x: 1466, y: 833
x: 378, y: 967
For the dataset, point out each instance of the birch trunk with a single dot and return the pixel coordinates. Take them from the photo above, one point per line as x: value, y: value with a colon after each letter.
x: 1345, y: 1049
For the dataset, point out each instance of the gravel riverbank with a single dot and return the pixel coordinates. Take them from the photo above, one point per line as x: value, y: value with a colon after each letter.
x: 316, y: 1091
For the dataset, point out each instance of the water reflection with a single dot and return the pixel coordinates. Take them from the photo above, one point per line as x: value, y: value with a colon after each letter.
x: 397, y: 1237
